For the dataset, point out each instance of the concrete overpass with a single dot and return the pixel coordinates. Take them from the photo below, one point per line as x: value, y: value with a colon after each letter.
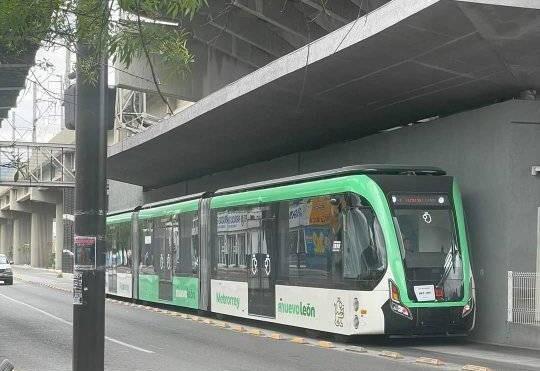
x: 403, y: 62
x: 28, y: 209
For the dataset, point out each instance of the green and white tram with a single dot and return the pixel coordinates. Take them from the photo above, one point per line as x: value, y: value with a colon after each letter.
x: 358, y: 250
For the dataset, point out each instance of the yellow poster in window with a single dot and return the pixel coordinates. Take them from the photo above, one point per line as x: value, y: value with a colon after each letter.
x: 321, y: 211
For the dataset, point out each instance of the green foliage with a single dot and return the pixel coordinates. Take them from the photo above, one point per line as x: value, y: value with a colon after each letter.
x: 27, y: 24
x: 159, y: 8
x: 169, y: 43
x: 24, y: 24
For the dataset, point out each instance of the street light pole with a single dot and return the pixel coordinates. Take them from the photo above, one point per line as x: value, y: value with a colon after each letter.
x: 90, y: 204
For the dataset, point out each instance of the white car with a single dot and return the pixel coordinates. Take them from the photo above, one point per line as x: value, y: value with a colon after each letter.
x: 6, y: 274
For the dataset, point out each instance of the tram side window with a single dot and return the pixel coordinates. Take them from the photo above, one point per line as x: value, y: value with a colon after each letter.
x: 333, y: 241
x: 186, y: 251
x: 314, y: 237
x: 364, y: 253
x: 119, y: 252
x: 237, y: 232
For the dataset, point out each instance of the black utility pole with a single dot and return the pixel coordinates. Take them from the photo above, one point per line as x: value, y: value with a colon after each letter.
x: 90, y: 203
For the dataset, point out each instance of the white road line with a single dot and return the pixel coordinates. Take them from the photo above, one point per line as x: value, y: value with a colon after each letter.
x: 71, y: 324
x: 128, y: 345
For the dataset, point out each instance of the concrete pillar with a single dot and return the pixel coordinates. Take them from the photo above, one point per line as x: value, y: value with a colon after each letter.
x: 21, y: 234
x: 59, y: 243
x: 6, y: 238
x: 3, y: 247
x: 40, y: 239
x: 35, y: 241
x: 16, y: 241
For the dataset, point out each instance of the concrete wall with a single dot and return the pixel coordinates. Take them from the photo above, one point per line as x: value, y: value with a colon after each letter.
x: 490, y: 151
x: 211, y: 70
x: 123, y: 196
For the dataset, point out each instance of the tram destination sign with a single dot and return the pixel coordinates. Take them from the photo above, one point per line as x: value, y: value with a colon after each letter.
x: 420, y: 199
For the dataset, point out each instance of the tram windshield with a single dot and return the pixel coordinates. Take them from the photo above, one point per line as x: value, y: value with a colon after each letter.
x: 430, y: 252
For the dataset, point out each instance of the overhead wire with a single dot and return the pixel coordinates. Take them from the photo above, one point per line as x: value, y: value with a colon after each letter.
x: 304, y: 79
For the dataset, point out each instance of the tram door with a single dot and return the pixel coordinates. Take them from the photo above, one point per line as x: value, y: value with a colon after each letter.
x: 262, y: 226
x: 111, y: 259
x: 164, y: 241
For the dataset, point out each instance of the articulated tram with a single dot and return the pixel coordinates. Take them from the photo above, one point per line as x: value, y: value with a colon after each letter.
x: 357, y: 250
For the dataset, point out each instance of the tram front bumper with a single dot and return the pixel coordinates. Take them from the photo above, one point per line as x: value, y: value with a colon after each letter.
x: 428, y: 321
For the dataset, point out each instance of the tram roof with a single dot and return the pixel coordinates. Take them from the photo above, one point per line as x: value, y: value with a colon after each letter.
x: 404, y: 62
x: 366, y: 169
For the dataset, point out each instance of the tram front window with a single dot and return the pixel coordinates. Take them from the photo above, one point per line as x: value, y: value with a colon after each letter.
x: 430, y: 252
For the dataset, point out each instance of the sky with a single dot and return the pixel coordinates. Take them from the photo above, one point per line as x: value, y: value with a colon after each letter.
x: 49, y: 108
x: 48, y: 102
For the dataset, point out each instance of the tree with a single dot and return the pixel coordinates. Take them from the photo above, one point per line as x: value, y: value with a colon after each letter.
x: 26, y: 25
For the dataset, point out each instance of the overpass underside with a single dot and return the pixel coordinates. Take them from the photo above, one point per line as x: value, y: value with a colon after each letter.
x: 403, y: 62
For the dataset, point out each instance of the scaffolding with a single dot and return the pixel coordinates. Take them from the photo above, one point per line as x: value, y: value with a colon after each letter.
x: 131, y: 114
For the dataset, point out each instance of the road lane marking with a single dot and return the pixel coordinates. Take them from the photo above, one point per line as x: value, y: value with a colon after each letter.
x: 38, y: 310
x: 129, y: 345
x: 112, y: 340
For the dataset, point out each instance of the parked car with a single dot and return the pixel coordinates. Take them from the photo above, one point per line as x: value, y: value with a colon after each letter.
x: 6, y: 274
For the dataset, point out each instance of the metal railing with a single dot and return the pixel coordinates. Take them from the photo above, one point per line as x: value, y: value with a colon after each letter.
x: 524, y: 298
x: 29, y: 164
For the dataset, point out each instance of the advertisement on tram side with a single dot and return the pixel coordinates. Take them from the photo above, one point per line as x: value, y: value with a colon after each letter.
x: 229, y: 297
x: 338, y: 311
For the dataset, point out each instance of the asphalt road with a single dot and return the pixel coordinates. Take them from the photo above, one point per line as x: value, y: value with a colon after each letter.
x: 36, y: 334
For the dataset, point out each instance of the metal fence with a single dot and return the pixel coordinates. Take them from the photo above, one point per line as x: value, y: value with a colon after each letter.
x: 524, y: 298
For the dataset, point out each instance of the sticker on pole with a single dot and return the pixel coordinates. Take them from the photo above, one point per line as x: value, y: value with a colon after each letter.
x: 78, y: 289
x: 85, y: 252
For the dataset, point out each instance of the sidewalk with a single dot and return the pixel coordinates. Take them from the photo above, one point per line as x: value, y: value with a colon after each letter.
x: 44, y: 277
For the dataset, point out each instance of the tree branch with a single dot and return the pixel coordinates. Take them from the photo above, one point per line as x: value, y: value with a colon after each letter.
x: 150, y: 61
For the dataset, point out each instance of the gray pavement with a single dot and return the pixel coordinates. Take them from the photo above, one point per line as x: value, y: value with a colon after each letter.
x: 36, y: 333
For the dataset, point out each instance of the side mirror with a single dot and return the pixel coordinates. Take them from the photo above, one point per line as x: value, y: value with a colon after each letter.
x: 11, y: 262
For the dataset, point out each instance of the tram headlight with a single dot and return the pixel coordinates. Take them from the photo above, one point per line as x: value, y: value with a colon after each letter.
x: 395, y: 301
x: 468, y: 308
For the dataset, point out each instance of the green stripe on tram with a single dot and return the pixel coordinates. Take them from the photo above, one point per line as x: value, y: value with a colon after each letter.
x: 288, y: 192
x: 168, y: 210
x: 185, y: 290
x: 120, y: 218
